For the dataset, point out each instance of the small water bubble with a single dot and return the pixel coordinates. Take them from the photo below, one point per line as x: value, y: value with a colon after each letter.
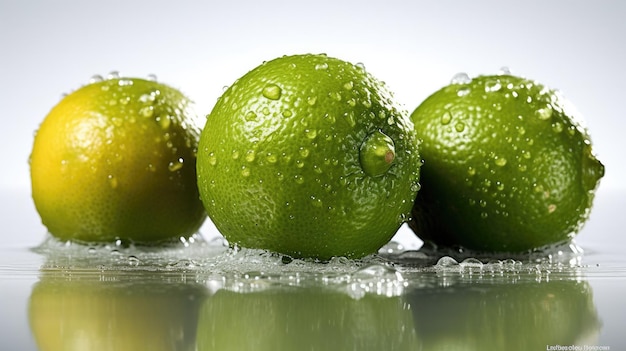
x: 360, y: 65
x: 310, y: 133
x: 112, y: 181
x: 271, y: 158
x: 504, y: 70
x: 212, y: 159
x: 245, y: 171
x: 133, y: 261
x: 164, y: 121
x: 250, y: 156
x: 335, y: 95
x: 446, y: 118
x: 304, y: 152
x: 471, y: 263
x: 349, y: 117
x: 147, y: 111
x: 500, y: 161
x: 446, y: 261
x: 272, y: 91
x: 96, y: 78
x: 557, y: 127
x: 287, y: 113
x: 463, y: 92
x: 459, y: 127
x: 113, y: 75
x: 316, y: 202
x: 298, y: 179
x: 492, y: 86
x: 321, y: 66
x: 152, y: 77
x: 176, y: 165
x: 265, y: 110
x: 250, y: 116
x: 461, y: 78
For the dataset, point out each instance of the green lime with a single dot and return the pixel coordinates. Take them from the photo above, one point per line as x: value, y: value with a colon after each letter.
x: 116, y: 160
x: 309, y: 156
x: 507, y: 166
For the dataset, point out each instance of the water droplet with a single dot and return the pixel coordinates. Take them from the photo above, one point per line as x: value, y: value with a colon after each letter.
x: 335, y: 95
x: 96, y: 78
x: 265, y: 110
x: 471, y: 171
x: 147, y: 111
x: 299, y: 179
x: 463, y: 92
x: 461, y: 78
x: 124, y: 82
x: 212, y: 159
x: 287, y: 113
x: 349, y: 85
x: 459, y: 127
x: 235, y: 154
x: 311, y: 100
x: 250, y: 155
x: 484, y: 215
x: 557, y: 127
x: 471, y: 264
x: 321, y: 66
x: 147, y: 98
x: 250, y: 116
x: 316, y: 202
x: 133, y: 261
x: 392, y: 247
x: 304, y: 152
x: 551, y: 208
x: 176, y: 165
x: 272, y: 91
x: 164, y: 122
x: 504, y: 70
x: 245, y: 172
x: 113, y: 75
x: 446, y: 118
x: 360, y: 65
x: 310, y: 133
x: 500, y: 161
x: 271, y: 158
x: 112, y: 181
x: 446, y: 261
x: 492, y: 86
x: 349, y: 117
x: 415, y: 187
x: 152, y: 77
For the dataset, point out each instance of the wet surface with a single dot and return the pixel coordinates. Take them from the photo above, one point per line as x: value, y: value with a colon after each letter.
x: 200, y: 294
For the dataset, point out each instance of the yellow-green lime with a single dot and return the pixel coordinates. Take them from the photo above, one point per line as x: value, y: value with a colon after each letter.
x: 116, y: 159
x: 309, y: 156
x: 508, y: 166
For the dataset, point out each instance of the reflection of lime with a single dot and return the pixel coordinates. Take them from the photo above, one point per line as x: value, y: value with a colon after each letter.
x: 507, y: 168
x: 304, y: 319
x: 86, y: 313
x: 116, y: 159
x: 309, y: 156
x: 504, y: 316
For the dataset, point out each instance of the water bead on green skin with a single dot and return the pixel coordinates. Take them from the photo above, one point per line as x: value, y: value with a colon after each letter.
x: 377, y: 154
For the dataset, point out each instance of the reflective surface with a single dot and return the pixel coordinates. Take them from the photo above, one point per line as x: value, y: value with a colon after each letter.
x: 201, y: 295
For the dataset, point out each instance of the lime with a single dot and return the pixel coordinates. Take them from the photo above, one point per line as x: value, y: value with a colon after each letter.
x: 309, y: 156
x: 508, y: 166
x: 116, y: 160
